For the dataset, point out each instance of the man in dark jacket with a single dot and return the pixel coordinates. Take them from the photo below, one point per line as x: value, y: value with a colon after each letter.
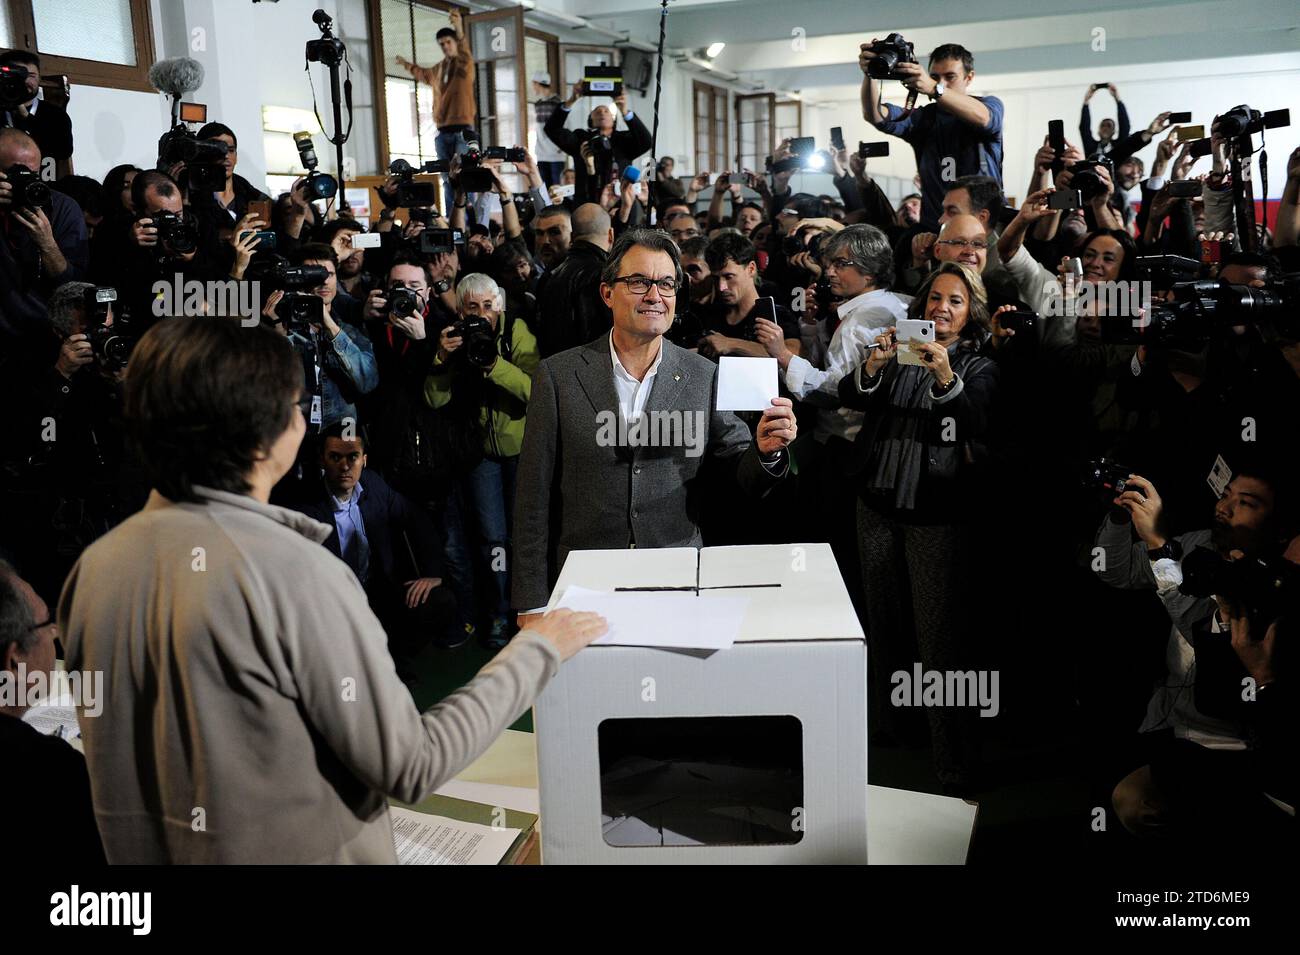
x: 569, y: 307
x: 44, y: 121
x: 600, y: 152
x: 392, y: 546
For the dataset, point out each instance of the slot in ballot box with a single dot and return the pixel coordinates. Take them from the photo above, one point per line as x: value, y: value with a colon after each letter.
x: 756, y: 753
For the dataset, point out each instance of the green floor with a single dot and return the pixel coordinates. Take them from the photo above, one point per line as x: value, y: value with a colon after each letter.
x: 442, y: 672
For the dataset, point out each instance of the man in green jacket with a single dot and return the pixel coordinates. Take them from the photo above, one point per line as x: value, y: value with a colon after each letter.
x: 488, y: 358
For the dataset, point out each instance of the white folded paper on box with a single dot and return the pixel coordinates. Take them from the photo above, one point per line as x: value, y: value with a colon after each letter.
x: 761, y: 752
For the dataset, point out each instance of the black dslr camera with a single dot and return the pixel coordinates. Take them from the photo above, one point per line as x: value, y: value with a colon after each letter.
x: 411, y: 194
x: 28, y: 190
x: 1262, y: 586
x: 319, y: 185
x: 176, y: 230
x: 109, y: 344
x: 1205, y: 309
x: 1103, y: 474
x: 298, y: 308
x: 204, y: 159
x: 402, y: 301
x: 473, y: 176
x: 890, y: 52
x: 13, y: 86
x: 329, y: 49
x: 1085, y: 177
x: 478, y: 341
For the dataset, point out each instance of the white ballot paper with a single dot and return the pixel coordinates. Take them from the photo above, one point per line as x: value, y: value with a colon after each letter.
x: 664, y: 618
x: 746, y: 384
x: 56, y: 718
x: 422, y: 839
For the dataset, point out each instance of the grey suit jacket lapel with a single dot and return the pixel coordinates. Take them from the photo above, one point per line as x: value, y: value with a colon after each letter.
x: 596, y: 376
x: 669, y: 381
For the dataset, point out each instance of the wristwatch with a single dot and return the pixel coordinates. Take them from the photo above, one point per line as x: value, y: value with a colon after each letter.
x: 1169, y: 548
x: 938, y: 91
x: 442, y: 286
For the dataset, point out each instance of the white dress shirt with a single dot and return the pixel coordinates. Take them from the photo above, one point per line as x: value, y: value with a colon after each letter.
x: 862, y: 319
x: 632, y: 394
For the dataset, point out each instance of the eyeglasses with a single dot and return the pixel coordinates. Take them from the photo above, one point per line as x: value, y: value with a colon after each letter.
x: 963, y: 243
x: 640, y: 285
x: 49, y: 622
x: 839, y: 265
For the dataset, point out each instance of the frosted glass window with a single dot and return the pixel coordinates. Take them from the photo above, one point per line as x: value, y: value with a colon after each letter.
x: 6, y: 29
x: 98, y: 31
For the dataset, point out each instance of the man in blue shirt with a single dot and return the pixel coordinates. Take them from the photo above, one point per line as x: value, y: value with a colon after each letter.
x: 954, y: 135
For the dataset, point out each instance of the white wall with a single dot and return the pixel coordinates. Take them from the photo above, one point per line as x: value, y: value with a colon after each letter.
x: 252, y: 56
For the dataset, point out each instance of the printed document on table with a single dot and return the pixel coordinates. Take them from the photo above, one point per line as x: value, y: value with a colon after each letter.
x: 678, y: 619
x: 422, y: 839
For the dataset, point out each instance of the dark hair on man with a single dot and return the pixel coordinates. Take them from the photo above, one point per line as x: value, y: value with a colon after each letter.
x: 329, y: 230
x: 1253, y: 260
x: 84, y: 191
x: 695, y: 246
x: 984, y: 192
x: 213, y: 130
x: 446, y: 31
x: 751, y: 204
x: 20, y: 58
x: 410, y: 257
x: 912, y: 195
x: 731, y: 246
x: 866, y: 247
x: 205, y: 398
x: 550, y: 212
x: 1278, y: 473
x: 954, y: 51
x: 156, y: 180
x: 345, y: 430
x: 314, y: 252
x: 651, y: 239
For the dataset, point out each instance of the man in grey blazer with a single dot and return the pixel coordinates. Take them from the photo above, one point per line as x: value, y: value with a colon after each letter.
x: 621, y: 432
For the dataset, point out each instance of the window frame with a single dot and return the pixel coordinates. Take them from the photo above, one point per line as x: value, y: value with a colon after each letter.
x: 719, y: 147
x: 82, y: 72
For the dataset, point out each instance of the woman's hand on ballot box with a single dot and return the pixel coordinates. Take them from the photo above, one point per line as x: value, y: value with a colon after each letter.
x: 568, y: 630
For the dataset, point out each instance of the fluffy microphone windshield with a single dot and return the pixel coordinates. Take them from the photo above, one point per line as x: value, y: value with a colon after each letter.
x: 177, y: 76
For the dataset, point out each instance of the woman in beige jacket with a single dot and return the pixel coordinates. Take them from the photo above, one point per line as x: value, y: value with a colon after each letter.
x: 252, y: 712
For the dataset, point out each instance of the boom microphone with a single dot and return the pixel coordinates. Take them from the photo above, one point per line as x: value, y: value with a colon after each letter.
x: 177, y: 76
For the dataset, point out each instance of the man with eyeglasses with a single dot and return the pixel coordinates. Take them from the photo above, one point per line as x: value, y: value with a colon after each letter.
x: 54, y: 812
x: 620, y: 430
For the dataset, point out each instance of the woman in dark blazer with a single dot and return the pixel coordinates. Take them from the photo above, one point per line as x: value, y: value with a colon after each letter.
x: 915, y: 464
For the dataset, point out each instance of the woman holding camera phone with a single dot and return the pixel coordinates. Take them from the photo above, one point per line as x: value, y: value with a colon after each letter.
x: 915, y: 462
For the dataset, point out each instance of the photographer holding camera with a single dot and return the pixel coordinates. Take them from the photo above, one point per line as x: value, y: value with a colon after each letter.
x: 600, y: 151
x: 225, y: 208
x: 45, y: 122
x: 43, y: 241
x: 953, y: 127
x: 1199, y: 777
x: 485, y: 361
x: 337, y: 355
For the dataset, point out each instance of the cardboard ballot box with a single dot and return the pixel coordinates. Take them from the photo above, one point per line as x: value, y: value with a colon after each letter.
x: 756, y: 753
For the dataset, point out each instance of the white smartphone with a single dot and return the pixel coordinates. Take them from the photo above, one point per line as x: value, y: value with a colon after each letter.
x: 909, y: 330
x: 564, y: 192
x: 1076, y: 266
x: 366, y: 240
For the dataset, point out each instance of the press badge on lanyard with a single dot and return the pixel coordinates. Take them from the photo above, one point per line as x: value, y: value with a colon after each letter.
x: 316, y: 409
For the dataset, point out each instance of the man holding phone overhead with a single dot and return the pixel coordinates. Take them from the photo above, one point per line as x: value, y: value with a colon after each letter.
x: 600, y: 152
x: 1103, y: 144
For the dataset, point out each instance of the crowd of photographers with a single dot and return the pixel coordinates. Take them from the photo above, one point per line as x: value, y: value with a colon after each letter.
x: 958, y: 364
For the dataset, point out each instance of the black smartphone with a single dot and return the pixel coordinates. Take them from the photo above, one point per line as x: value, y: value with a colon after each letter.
x: 1199, y: 147
x: 435, y: 241
x: 803, y: 145
x: 1065, y: 200
x: 870, y: 150
x: 266, y: 237
x: 837, y: 137
x: 1020, y: 321
x: 1185, y: 188
x: 1100, y: 86
x: 1175, y: 118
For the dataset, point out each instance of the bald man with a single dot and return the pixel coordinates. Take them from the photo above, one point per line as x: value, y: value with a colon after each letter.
x: 45, y: 243
x: 962, y: 239
x: 570, y: 311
